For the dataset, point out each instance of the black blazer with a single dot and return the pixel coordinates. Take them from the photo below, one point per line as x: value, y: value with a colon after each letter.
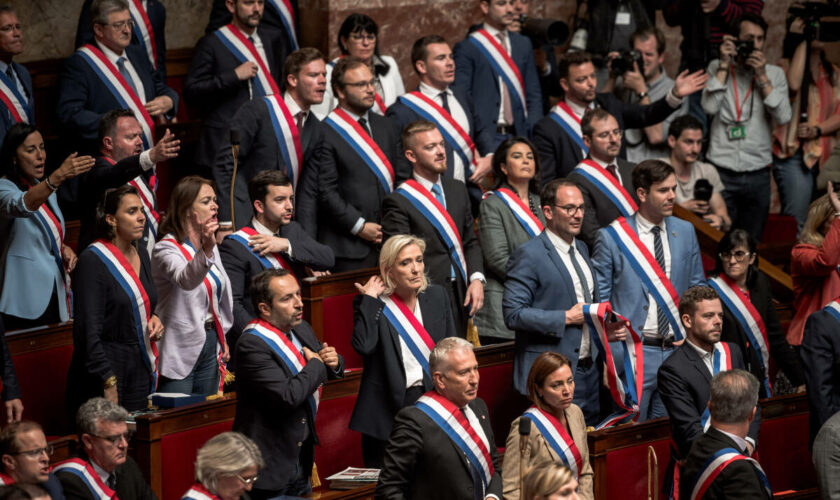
x: 272, y: 406
x: 382, y: 392
x: 220, y: 16
x: 738, y: 480
x: 130, y: 484
x: 559, y: 153
x: 820, y: 352
x: 600, y: 210
x: 421, y: 462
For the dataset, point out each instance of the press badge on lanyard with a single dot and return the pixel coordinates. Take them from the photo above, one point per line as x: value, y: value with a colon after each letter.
x: 739, y: 131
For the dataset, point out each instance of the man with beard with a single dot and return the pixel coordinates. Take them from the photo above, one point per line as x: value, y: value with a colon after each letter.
x: 25, y: 456
x: 15, y: 81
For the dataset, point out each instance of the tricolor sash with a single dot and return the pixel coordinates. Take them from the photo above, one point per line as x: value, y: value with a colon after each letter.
x: 214, y: 283
x: 84, y: 471
x: 244, y: 51
x: 749, y: 319
x: 721, y: 361
x: 609, y: 185
x: 715, y: 465
x: 530, y: 222
x: 563, y: 115
x: 439, y: 218
x: 269, y: 260
x: 143, y: 30
x: 378, y: 103
x: 653, y: 277
x: 363, y: 145
x: 19, y: 108
x: 833, y: 308
x: 124, y: 275
x: 412, y: 334
x: 146, y: 191
x: 6, y: 480
x: 626, y: 391
x: 199, y: 492
x: 471, y: 440
x: 287, y: 135
x: 278, y: 342
x: 557, y: 437
x: 120, y: 90
x: 287, y: 17
x: 455, y: 135
x: 502, y: 65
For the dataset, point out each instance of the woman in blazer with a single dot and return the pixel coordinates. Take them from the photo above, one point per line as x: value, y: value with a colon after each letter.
x: 195, y: 300
x: 550, y: 387
x: 34, y: 261
x: 114, y: 327
x: 359, y: 36
x: 393, y: 377
x: 516, y: 168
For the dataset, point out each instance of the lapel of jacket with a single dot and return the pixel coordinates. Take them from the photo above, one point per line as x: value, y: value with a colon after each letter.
x: 673, y: 245
x: 395, y: 338
x: 583, y: 250
x: 132, y: 54
x: 698, y: 363
x: 625, y: 168
x: 558, y: 263
x: 269, y: 54
x: 631, y: 221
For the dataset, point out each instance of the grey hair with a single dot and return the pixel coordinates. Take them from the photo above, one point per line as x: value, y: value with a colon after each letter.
x: 101, y: 9
x: 438, y: 359
x: 734, y: 394
x: 96, y: 410
x: 226, y: 454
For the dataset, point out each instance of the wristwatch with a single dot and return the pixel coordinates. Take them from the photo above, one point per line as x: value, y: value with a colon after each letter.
x: 642, y: 95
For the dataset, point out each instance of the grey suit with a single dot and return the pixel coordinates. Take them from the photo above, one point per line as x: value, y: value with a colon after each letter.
x: 600, y: 210
x: 826, y: 456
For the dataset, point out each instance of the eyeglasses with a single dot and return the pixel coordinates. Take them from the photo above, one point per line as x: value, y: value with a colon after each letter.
x: 571, y: 210
x: 606, y: 135
x: 247, y: 481
x: 121, y: 25
x: 117, y: 438
x: 36, y: 453
x: 11, y: 27
x: 359, y: 37
x: 362, y: 85
x: 739, y: 255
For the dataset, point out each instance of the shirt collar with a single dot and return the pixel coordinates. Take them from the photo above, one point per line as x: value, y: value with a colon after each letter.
x: 659, y: 79
x: 493, y: 31
x: 741, y: 442
x: 354, y: 116
x: 102, y: 473
x: 294, y: 109
x: 558, y: 242
x: 426, y: 183
x: 260, y: 228
x: 110, y: 54
x: 578, y: 109
x: 700, y: 351
x: 430, y: 91
x: 644, y: 225
x: 603, y: 164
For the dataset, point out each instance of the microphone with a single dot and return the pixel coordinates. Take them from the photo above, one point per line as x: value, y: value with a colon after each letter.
x: 234, y: 147
x: 524, y: 452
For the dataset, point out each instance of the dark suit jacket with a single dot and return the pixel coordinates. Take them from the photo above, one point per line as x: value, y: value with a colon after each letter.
x: 538, y: 292
x: 220, y: 16
x: 347, y: 189
x: 683, y: 382
x: 6, y: 120
x: 559, y: 153
x: 130, y: 484
x: 820, y: 352
x: 738, y: 480
x: 382, y: 392
x: 421, y: 462
x: 400, y: 217
x: 272, y: 406
x: 475, y: 76
x: 10, y: 384
x: 157, y: 17
x: 211, y: 86
x: 258, y: 151
x: 600, y: 210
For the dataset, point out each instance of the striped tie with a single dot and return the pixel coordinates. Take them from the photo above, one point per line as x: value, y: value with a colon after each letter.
x: 661, y: 318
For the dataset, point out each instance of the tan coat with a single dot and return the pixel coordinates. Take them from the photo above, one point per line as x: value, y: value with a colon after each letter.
x: 542, y: 452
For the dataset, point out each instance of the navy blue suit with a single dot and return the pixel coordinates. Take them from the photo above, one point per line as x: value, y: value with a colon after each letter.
x: 820, y: 352
x: 220, y: 16
x: 6, y: 120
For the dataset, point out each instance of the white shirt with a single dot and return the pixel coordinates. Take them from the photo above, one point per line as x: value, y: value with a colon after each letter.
x: 294, y: 109
x: 458, y: 115
x: 261, y: 229
x: 563, y: 251
x: 495, y: 34
x: 257, y: 41
x: 113, y: 57
x: 706, y: 356
x: 102, y: 473
x: 741, y: 442
x: 645, y: 230
x: 604, y: 165
x: 579, y: 110
x: 413, y: 370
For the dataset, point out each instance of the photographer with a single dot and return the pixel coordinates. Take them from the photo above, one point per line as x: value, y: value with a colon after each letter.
x: 744, y: 94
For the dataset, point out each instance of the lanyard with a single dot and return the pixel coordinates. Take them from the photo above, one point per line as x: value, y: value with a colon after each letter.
x: 738, y: 108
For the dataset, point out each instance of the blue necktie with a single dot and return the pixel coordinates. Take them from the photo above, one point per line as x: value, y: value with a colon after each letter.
x: 124, y: 72
x: 659, y: 253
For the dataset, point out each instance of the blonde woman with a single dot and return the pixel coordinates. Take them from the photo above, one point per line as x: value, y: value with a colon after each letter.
x: 550, y: 481
x: 225, y: 468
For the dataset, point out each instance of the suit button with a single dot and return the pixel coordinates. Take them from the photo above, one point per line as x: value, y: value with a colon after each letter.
x: 645, y: 308
x: 300, y: 444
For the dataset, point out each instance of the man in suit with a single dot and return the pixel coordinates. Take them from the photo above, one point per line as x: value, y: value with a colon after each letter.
x: 819, y: 351
x: 602, y: 137
x: 281, y: 15
x: 732, y: 407
x: 103, y: 436
x: 222, y: 77
x: 512, y: 105
x: 550, y: 278
x: 402, y: 214
x: 423, y: 460
x: 433, y: 62
x: 270, y: 240
x: 86, y: 92
x: 25, y: 458
x: 826, y: 457
x: 260, y: 135
x: 558, y: 137
x: 16, y: 81
x: 340, y: 202
x: 637, y: 267
x: 280, y: 368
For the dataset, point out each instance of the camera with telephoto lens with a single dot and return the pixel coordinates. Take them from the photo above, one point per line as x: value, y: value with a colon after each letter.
x: 624, y: 62
x: 743, y: 49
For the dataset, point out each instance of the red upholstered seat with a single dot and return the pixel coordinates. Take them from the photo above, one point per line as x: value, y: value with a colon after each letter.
x: 42, y: 377
x: 340, y: 447
x: 178, y: 452
x: 784, y: 455
x: 503, y: 402
x: 627, y: 469
x: 338, y: 327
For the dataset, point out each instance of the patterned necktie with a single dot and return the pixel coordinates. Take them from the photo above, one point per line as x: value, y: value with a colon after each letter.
x: 611, y: 169
x: 299, y: 117
x: 124, y: 72
x: 112, y: 481
x: 587, y: 295
x: 506, y: 105
x: 363, y: 124
x: 661, y: 319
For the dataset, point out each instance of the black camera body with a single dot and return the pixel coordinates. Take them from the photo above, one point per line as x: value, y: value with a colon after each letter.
x: 743, y: 49
x: 820, y: 19
x: 624, y: 62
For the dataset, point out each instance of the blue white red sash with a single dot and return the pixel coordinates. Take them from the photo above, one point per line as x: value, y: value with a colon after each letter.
x: 6, y: 480
x: 278, y: 342
x: 457, y: 138
x: 436, y: 214
x: 287, y: 135
x: 124, y: 275
x: 502, y: 65
x: 412, y: 334
x: 563, y: 115
x: 468, y: 438
x: 363, y: 145
x: 120, y: 90
x: 378, y: 103
x: 84, y: 471
x: 244, y: 51
x: 609, y: 185
x: 833, y: 308
x: 721, y: 362
x: 530, y: 222
x: 214, y: 283
x: 557, y: 438
x: 749, y: 319
x: 626, y: 391
x: 715, y: 465
x: 19, y: 108
x: 652, y: 275
x: 269, y: 260
x: 146, y: 191
x: 199, y: 492
x: 287, y: 17
x: 143, y: 30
